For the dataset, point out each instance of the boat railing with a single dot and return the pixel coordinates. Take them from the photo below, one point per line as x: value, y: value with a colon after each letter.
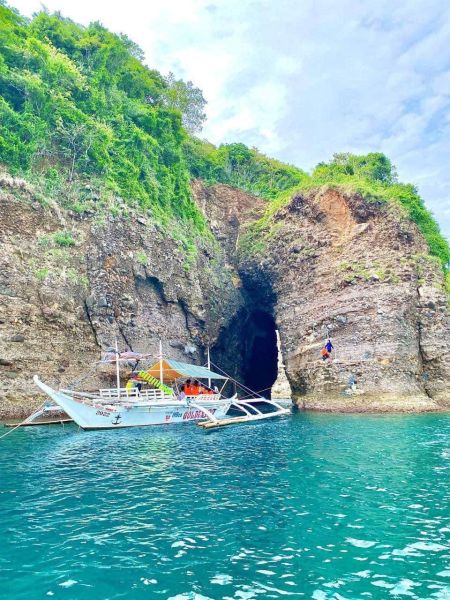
x: 150, y: 394
x: 134, y: 394
x: 203, y: 397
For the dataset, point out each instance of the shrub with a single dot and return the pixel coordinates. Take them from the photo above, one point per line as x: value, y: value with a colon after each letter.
x: 41, y: 274
x: 242, y: 167
x: 72, y: 275
x: 64, y: 239
x: 142, y: 258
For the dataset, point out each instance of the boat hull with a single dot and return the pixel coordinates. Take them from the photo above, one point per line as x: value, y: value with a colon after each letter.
x: 88, y: 416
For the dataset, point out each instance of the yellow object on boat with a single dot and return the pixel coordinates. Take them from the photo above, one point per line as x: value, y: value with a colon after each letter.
x: 155, y: 382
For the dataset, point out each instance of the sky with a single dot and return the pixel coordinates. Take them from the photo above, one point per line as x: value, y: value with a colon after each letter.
x: 303, y: 79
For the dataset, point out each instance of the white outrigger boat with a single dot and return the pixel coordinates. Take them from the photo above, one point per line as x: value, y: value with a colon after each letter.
x: 163, y: 403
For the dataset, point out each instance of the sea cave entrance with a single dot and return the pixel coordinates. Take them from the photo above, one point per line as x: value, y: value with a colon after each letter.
x: 260, y: 368
x: 248, y: 350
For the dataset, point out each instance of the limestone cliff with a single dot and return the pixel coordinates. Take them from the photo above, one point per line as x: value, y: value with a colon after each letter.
x: 64, y: 296
x: 281, y: 389
x: 329, y: 264
x: 336, y: 265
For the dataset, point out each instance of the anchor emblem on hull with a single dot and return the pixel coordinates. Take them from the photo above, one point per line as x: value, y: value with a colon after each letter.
x: 117, y: 420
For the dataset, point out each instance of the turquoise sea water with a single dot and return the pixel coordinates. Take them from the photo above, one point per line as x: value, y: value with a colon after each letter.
x: 312, y: 506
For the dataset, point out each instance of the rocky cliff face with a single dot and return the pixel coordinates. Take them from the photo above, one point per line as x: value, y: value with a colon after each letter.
x: 335, y: 265
x: 332, y: 265
x: 62, y: 302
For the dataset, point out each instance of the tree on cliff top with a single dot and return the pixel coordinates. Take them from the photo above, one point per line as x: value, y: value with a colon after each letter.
x: 242, y: 167
x: 75, y: 100
x: 77, y: 103
x: 187, y: 99
x: 374, y: 166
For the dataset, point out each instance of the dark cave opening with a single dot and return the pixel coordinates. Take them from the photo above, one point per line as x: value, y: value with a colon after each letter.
x: 247, y: 350
x: 260, y: 367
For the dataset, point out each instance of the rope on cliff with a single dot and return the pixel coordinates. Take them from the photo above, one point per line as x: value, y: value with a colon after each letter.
x: 258, y: 392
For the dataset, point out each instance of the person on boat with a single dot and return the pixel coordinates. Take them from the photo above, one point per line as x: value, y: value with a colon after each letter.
x: 182, y: 394
x: 195, y: 388
x: 133, y: 383
x: 187, y: 387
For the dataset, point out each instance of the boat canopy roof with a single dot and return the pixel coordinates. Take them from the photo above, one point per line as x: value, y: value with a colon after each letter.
x: 173, y: 369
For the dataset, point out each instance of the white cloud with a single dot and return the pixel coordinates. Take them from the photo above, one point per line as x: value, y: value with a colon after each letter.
x: 302, y: 80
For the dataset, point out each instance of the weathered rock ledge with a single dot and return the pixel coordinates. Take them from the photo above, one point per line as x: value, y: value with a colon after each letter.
x: 370, y: 403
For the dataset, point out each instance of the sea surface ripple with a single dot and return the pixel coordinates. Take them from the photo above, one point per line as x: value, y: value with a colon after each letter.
x: 313, y: 506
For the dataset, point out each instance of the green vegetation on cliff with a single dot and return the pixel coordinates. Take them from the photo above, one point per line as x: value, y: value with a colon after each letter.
x: 375, y: 178
x: 95, y: 129
x: 242, y: 167
x: 77, y: 104
x: 92, y: 127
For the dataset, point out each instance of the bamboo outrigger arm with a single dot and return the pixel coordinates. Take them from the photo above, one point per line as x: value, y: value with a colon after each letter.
x: 205, y: 410
x: 245, y: 419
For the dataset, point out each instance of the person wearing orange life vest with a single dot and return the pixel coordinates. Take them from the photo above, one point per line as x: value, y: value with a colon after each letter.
x: 187, y: 387
x: 325, y: 352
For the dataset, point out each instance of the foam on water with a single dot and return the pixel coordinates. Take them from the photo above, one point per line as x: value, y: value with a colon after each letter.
x: 313, y: 506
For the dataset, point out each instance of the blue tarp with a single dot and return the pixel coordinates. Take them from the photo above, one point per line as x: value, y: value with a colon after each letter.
x: 173, y: 369
x: 187, y: 370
